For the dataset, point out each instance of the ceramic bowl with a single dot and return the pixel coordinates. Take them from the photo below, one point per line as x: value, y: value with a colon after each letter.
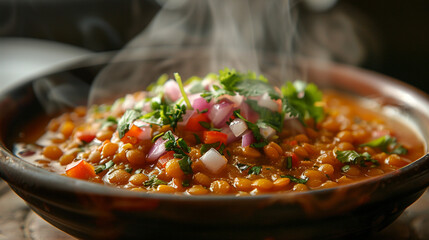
x: 93, y: 211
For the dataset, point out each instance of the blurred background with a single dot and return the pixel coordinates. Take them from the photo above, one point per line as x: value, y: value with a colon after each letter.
x: 388, y: 36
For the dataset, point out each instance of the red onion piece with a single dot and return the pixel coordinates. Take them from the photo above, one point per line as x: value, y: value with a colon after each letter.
x: 220, y: 113
x: 157, y: 150
x: 247, y: 139
x: 200, y: 104
x: 185, y: 117
x: 172, y: 90
x: 231, y: 137
x: 248, y: 113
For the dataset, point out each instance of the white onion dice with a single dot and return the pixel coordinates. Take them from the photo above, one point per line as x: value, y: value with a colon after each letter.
x: 267, y: 102
x: 213, y: 160
x: 238, y: 126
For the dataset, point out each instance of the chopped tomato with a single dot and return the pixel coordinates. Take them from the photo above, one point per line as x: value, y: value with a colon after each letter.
x: 80, y: 170
x: 292, y: 143
x: 162, y: 161
x: 295, y: 159
x: 193, y: 123
x: 214, y: 136
x: 132, y: 135
x: 85, y: 136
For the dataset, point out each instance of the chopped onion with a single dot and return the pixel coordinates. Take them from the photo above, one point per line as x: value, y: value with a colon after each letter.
x: 267, y: 102
x: 186, y: 117
x: 231, y: 137
x: 157, y: 149
x: 238, y: 126
x: 172, y: 90
x: 213, y: 160
x: 267, y: 132
x: 200, y: 104
x: 248, y: 113
x: 219, y: 113
x: 146, y: 133
x: 247, y: 139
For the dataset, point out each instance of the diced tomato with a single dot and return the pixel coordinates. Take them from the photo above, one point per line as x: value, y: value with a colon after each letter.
x: 85, y: 136
x: 162, y: 161
x: 132, y: 135
x: 193, y: 123
x: 292, y: 143
x: 214, y: 136
x: 81, y: 170
x: 295, y: 159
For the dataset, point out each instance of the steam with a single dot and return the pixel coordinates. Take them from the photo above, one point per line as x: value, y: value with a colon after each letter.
x: 195, y: 37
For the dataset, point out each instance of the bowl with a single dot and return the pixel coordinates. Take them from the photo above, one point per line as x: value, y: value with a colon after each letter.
x: 93, y: 211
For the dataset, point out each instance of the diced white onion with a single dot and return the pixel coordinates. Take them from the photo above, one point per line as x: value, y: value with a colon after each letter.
x: 267, y: 132
x: 213, y: 160
x: 267, y: 102
x: 238, y: 126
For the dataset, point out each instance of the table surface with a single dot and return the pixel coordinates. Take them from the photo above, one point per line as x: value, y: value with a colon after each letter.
x: 18, y: 222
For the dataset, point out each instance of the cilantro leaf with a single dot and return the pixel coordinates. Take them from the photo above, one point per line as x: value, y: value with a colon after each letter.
x: 126, y: 120
x: 385, y: 143
x: 300, y: 98
x: 153, y: 182
x: 255, y: 170
x: 242, y: 166
x: 185, y: 165
x: 353, y: 157
x: 266, y: 116
x: 295, y: 179
x: 205, y: 147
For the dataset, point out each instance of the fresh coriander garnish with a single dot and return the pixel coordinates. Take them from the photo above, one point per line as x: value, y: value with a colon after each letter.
x: 205, y: 147
x: 295, y: 179
x: 385, y: 143
x: 103, y: 167
x: 255, y: 170
x: 126, y: 120
x: 242, y: 167
x: 153, y: 182
x: 209, y: 127
x: 180, y: 149
x: 300, y: 100
x: 352, y: 157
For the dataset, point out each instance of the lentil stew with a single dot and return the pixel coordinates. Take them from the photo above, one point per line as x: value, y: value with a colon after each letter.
x: 227, y: 133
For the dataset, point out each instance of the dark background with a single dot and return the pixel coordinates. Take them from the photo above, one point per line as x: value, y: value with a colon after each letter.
x: 400, y: 28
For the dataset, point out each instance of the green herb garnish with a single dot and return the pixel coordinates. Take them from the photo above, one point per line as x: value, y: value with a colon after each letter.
x: 352, y: 157
x: 126, y: 120
x: 153, y: 182
x: 205, y: 147
x: 300, y: 100
x: 295, y: 179
x: 103, y: 167
x: 255, y: 170
x: 385, y: 143
x: 242, y: 167
x: 180, y: 149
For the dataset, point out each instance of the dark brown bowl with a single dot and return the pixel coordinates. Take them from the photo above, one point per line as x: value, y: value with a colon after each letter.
x: 92, y: 211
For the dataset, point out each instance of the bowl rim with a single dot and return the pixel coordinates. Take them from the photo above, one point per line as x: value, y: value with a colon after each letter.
x: 45, y: 177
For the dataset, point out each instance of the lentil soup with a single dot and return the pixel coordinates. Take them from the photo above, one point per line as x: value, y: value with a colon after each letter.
x: 227, y: 133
